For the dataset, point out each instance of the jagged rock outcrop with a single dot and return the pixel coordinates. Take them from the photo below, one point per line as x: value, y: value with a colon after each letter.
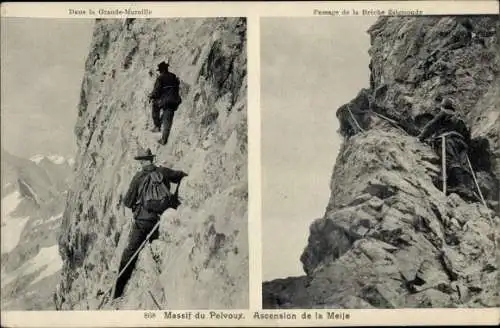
x: 201, y: 258
x: 390, y: 238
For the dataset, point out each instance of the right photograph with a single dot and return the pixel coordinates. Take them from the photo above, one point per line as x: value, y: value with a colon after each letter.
x: 380, y: 162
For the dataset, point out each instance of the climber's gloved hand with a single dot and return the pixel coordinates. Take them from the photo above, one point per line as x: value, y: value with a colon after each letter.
x: 182, y: 176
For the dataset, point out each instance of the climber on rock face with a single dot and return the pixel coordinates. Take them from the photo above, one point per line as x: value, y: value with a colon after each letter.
x: 354, y: 116
x: 447, y: 123
x: 144, y: 220
x: 165, y: 99
x: 349, y: 125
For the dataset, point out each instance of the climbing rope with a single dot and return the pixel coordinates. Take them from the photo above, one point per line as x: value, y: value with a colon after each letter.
x: 443, y: 162
x: 443, y: 156
x: 394, y: 123
x: 104, y: 298
x: 475, y: 181
x: 355, y: 121
x: 482, y: 198
x: 154, y: 300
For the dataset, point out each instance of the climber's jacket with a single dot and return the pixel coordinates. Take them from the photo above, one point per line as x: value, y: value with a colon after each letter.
x: 448, y: 124
x: 166, y: 90
x: 444, y: 122
x: 132, y: 198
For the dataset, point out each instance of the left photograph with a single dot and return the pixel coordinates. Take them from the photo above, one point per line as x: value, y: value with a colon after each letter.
x: 124, y: 164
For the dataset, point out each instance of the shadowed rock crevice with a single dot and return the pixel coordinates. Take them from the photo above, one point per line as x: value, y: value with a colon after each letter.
x: 390, y: 238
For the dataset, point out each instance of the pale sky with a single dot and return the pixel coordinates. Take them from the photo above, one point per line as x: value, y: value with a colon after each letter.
x: 309, y: 67
x: 42, y: 68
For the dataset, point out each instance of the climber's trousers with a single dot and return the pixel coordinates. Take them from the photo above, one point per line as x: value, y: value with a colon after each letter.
x: 139, y: 232
x: 155, y: 113
x: 167, y: 120
x: 456, y: 162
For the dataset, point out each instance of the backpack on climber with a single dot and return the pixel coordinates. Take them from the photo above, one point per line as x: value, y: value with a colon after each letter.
x: 148, y: 196
x: 156, y: 196
x: 149, y: 193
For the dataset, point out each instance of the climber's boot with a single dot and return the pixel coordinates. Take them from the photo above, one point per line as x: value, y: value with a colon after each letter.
x: 155, y: 129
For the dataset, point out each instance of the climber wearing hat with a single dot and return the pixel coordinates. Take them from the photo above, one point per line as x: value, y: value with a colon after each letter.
x: 448, y: 123
x: 164, y: 97
x: 144, y: 220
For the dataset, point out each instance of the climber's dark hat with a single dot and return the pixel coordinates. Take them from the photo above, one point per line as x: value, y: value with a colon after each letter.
x: 144, y: 155
x: 162, y: 66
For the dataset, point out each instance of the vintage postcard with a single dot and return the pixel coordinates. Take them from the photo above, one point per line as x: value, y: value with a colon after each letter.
x: 250, y: 164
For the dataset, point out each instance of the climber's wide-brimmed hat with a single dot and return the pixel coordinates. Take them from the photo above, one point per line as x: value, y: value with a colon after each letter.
x: 144, y: 154
x: 163, y: 65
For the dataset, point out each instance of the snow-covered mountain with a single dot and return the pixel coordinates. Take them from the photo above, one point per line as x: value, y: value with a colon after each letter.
x: 42, y: 180
x: 33, y: 198
x: 56, y: 159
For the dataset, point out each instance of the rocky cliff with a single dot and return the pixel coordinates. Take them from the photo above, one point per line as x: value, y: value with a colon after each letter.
x: 390, y: 238
x: 201, y: 258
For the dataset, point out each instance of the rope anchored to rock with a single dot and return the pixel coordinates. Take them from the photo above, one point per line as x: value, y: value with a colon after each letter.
x: 391, y: 121
x: 443, y: 156
x: 154, y: 300
x: 482, y: 198
x: 354, y: 119
x: 443, y: 161
x: 106, y: 295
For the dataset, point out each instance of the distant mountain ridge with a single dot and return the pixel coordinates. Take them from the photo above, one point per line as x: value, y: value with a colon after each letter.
x: 33, y: 198
x: 54, y: 158
x: 41, y: 178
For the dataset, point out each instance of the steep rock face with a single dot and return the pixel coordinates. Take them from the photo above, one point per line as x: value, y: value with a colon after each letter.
x: 390, y: 238
x: 201, y: 257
